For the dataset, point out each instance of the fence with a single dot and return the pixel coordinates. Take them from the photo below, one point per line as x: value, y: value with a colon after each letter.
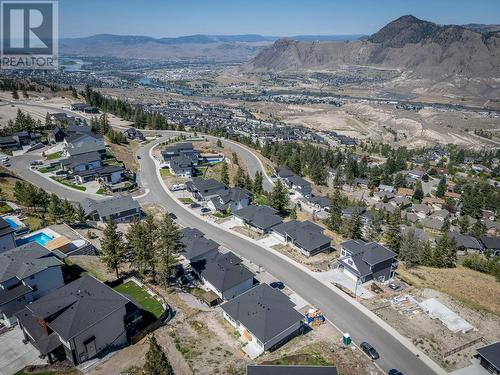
x: 464, y: 346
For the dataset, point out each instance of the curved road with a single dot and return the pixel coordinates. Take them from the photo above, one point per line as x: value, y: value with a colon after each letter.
x: 337, y: 309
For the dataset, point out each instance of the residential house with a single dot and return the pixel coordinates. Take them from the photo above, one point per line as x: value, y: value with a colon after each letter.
x: 284, y: 172
x: 367, y: 261
x: 232, y: 199
x: 491, y: 244
x: 434, y: 202
x: 416, y: 174
x: 405, y: 192
x: 9, y: 143
x: 365, y: 216
x: 178, y: 149
x: 7, y: 241
x: 259, y: 218
x: 464, y: 243
x: 56, y: 135
x: 119, y: 209
x: 78, y: 321
x: 108, y: 174
x: 489, y: 357
x: 305, y: 236
x: 291, y: 370
x: 27, y: 273
x: 133, y: 133
x: 182, y: 165
x: 421, y: 210
x: 81, y: 143
x: 204, y: 189
x: 265, y: 317
x: 224, y: 274
x: 320, y: 203
x: 383, y: 196
x: 299, y: 185
x: 361, y: 183
x: 196, y: 246
x: 386, y: 188
x: 82, y: 162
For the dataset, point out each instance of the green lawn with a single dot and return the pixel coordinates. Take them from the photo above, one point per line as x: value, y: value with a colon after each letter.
x: 101, y: 191
x: 44, y: 170
x: 5, y: 208
x: 141, y: 296
x: 186, y: 200
x: 68, y: 184
x: 55, y: 155
x: 165, y: 172
x: 261, y: 199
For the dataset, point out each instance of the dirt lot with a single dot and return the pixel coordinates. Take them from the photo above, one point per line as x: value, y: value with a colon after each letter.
x: 431, y: 335
x: 474, y: 289
x: 126, y: 154
x: 317, y: 263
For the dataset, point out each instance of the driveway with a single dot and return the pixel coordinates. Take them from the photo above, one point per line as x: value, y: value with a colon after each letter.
x: 14, y: 355
x: 339, y: 277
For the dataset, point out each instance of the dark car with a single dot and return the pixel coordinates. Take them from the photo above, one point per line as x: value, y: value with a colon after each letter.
x: 369, y: 350
x: 394, y: 372
x: 172, y: 215
x: 194, y: 205
x: 277, y: 285
x: 205, y: 210
x: 138, y: 156
x: 394, y: 286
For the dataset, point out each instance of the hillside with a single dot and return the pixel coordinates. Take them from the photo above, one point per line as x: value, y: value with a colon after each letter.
x: 426, y: 49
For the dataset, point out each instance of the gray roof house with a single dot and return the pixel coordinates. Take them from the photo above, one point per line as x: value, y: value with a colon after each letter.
x: 177, y: 149
x: 367, y: 261
x: 299, y: 185
x: 119, y: 209
x: 224, y: 274
x: 264, y: 316
x: 78, y: 321
x: 489, y: 357
x: 196, y: 246
x: 82, y: 162
x: 305, y: 236
x: 284, y: 172
x: 233, y: 199
x: 204, y: 189
x: 492, y: 244
x: 27, y: 273
x: 291, y: 370
x: 260, y: 218
x: 7, y: 241
x: 465, y: 243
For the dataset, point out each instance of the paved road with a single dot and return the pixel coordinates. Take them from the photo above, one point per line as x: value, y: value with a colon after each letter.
x: 21, y: 166
x: 337, y: 309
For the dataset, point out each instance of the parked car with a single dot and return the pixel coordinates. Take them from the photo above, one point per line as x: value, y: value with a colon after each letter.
x: 277, y: 285
x: 6, y: 164
x: 369, y: 350
x: 172, y: 215
x: 194, y: 205
x: 205, y: 210
x: 177, y: 187
x: 36, y: 162
x: 138, y: 156
x: 394, y: 372
x: 394, y: 286
x: 4, y: 158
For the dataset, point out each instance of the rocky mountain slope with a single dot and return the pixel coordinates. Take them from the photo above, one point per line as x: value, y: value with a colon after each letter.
x: 426, y: 49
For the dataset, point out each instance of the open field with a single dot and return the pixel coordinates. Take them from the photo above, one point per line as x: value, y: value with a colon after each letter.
x: 126, y: 154
x: 474, y: 289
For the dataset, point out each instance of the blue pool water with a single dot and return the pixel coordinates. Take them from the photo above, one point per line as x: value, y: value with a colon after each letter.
x: 12, y: 223
x: 41, y: 238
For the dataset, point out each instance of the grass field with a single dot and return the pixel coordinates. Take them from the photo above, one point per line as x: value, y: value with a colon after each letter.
x: 186, y: 200
x: 474, y: 289
x: 68, y: 184
x: 164, y: 172
x: 5, y: 208
x: 141, y: 296
x: 55, y: 155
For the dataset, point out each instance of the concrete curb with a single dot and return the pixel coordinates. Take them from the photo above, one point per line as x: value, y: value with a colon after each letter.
x: 403, y: 340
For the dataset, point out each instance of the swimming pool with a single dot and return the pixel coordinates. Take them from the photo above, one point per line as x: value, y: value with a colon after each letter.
x: 40, y: 237
x: 12, y: 223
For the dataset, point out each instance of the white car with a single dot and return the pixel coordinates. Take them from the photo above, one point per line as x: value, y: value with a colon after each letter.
x: 4, y: 158
x: 177, y: 187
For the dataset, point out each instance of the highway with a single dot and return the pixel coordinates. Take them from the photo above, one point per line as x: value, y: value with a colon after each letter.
x: 346, y: 316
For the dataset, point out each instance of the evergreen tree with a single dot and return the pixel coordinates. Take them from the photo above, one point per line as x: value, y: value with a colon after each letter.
x: 68, y: 212
x: 156, y: 360
x: 235, y: 158
x: 293, y: 213
x: 463, y: 223
x: 441, y: 188
x: 393, y: 231
x: 351, y: 227
x: 248, y: 182
x: 257, y: 183
x: 399, y: 181
x: 219, y: 143
x: 169, y: 247
x: 80, y: 214
x: 112, y: 247
x: 334, y: 220
x: 239, y: 178
x: 410, y: 249
x: 141, y: 238
x: 426, y: 254
x: 224, y: 174
x: 279, y: 196
x: 15, y: 95
x: 54, y: 208
x: 445, y: 253
x: 478, y: 229
x: 419, y: 192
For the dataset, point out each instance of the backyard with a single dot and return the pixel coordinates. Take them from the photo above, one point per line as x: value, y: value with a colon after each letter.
x: 141, y: 296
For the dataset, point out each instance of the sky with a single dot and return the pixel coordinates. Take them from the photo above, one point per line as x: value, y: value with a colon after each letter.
x: 168, y: 18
